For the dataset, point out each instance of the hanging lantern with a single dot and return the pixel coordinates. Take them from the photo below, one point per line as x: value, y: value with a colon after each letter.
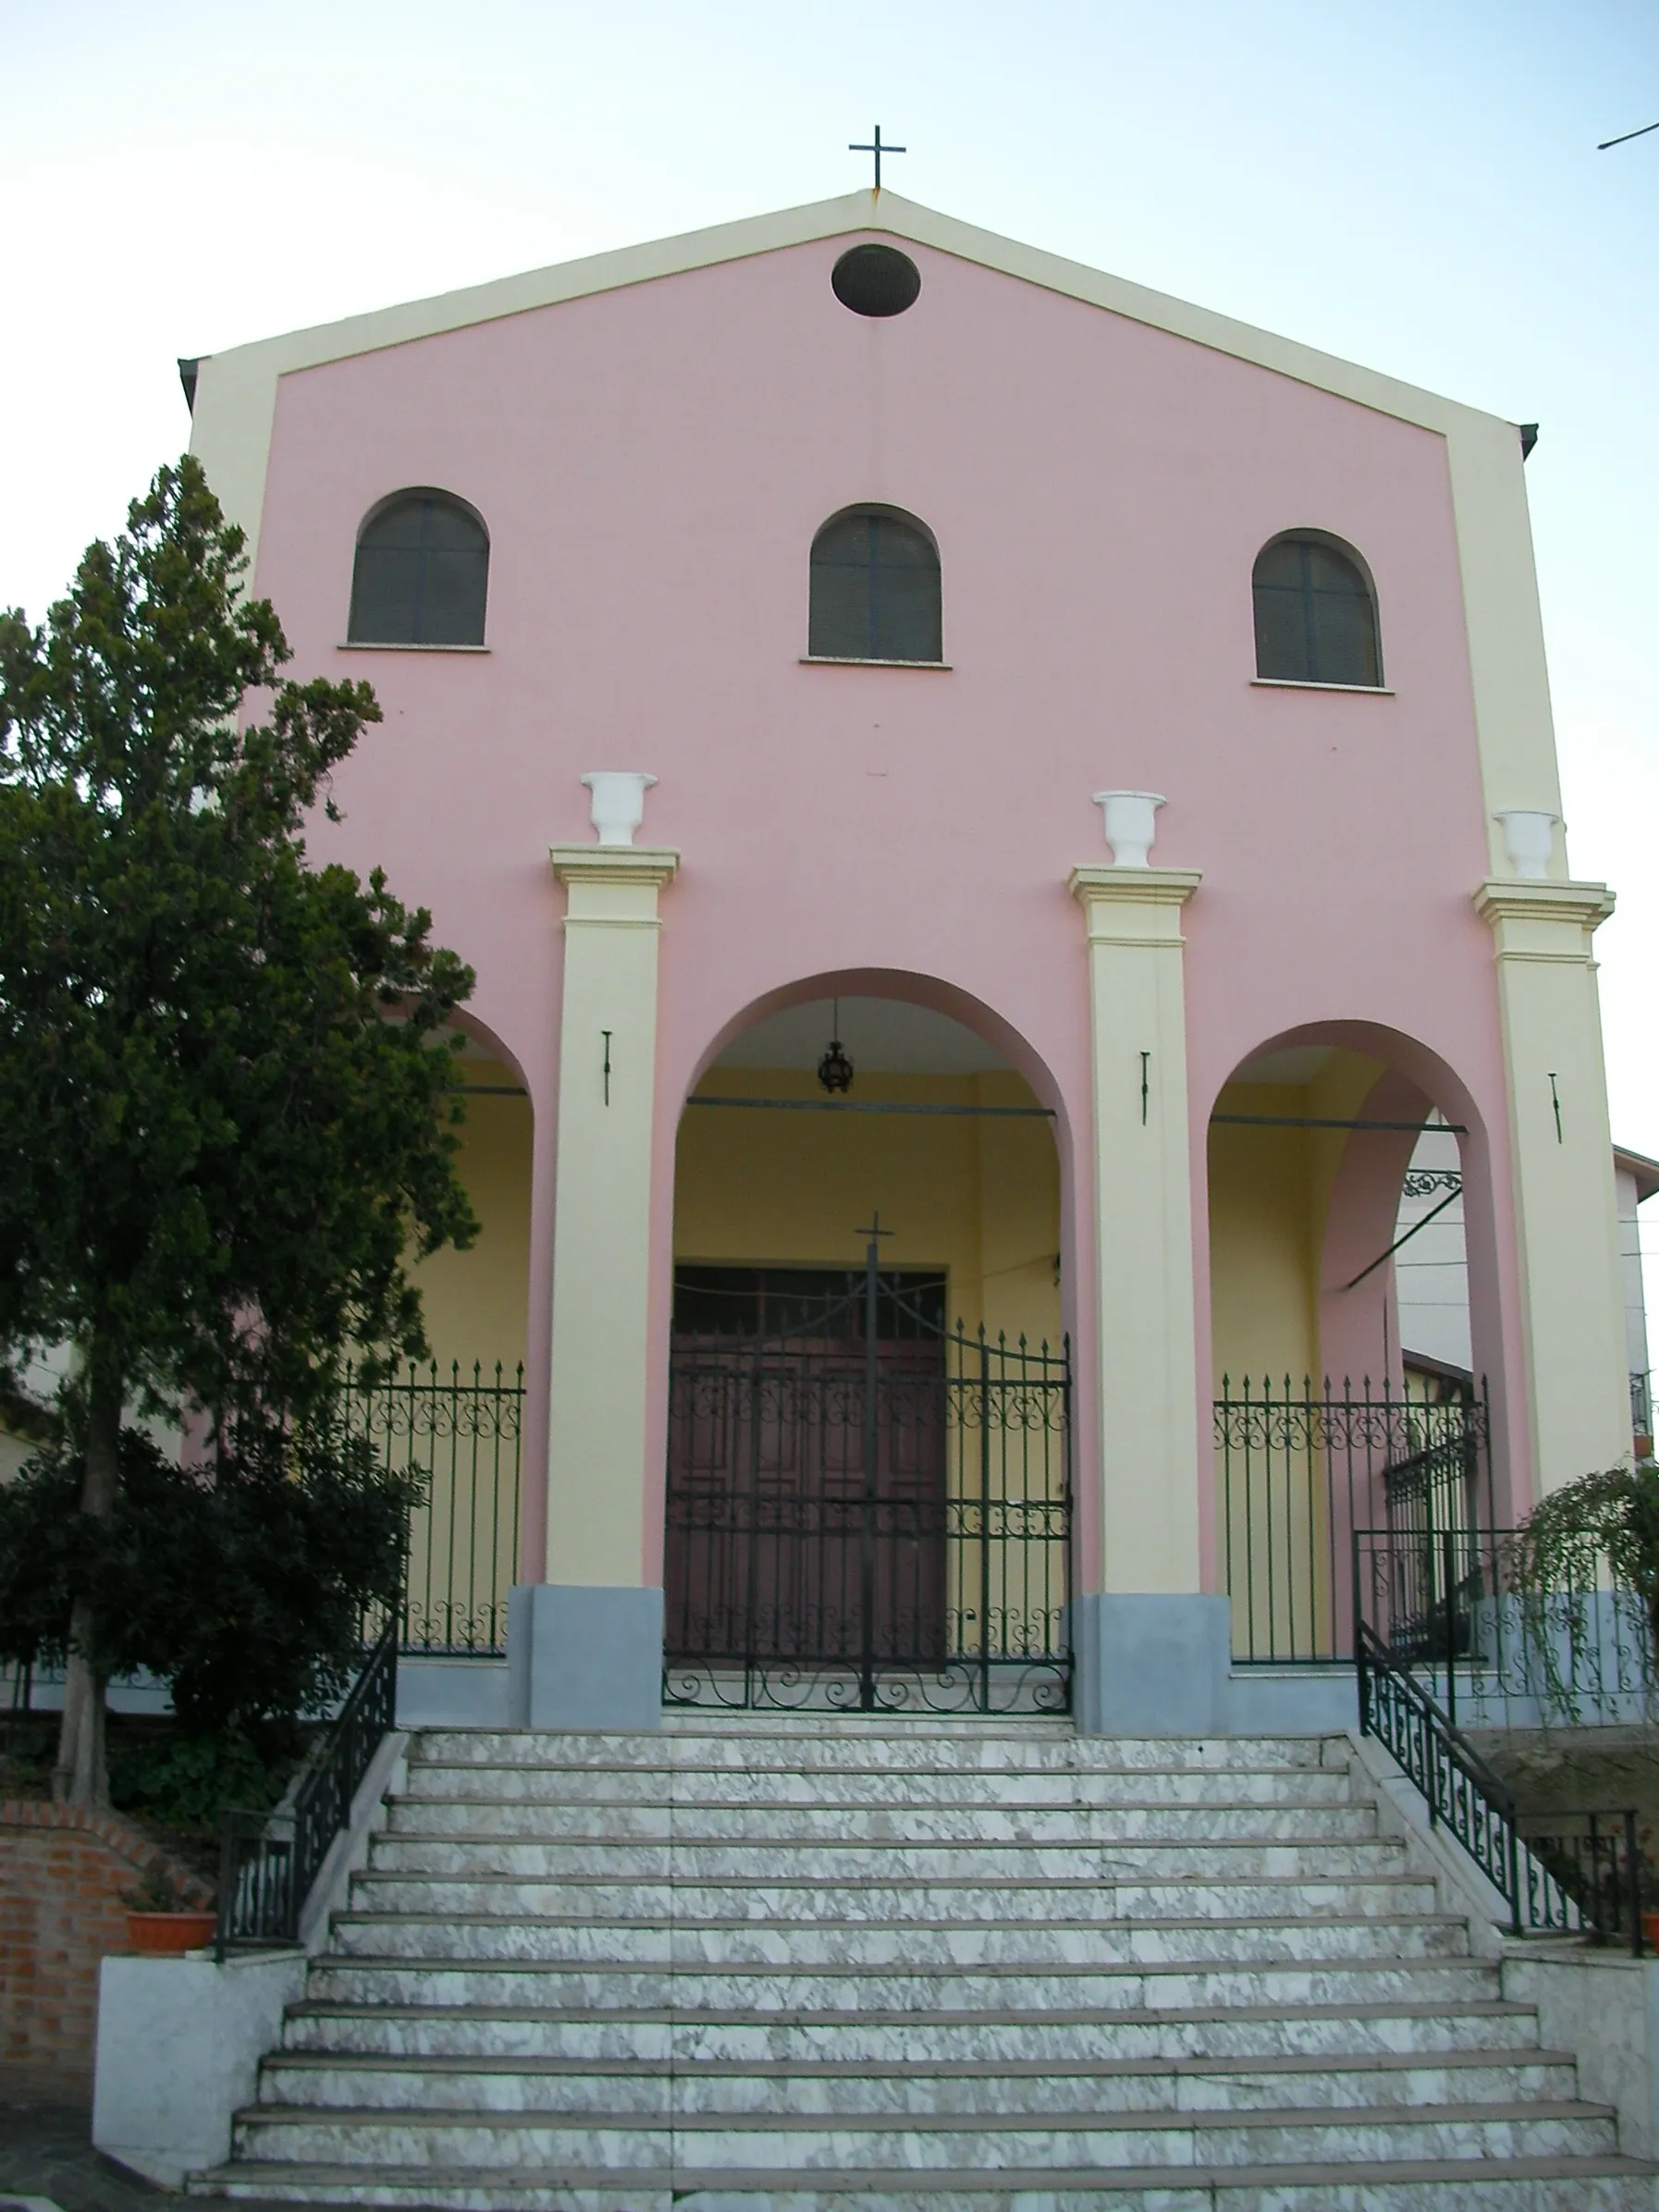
x: 835, y: 1070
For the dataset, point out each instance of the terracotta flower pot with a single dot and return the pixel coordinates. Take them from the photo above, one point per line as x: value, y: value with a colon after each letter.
x: 169, y: 1935
x: 1649, y: 1930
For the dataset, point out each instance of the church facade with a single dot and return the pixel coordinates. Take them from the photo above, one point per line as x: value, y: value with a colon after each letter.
x: 990, y: 808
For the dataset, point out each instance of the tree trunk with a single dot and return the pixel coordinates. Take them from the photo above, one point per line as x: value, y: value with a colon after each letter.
x: 81, y: 1775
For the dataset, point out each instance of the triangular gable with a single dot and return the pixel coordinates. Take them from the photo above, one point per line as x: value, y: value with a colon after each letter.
x: 236, y: 398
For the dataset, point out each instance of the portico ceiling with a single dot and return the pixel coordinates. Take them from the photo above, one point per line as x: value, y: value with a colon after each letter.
x: 881, y: 1036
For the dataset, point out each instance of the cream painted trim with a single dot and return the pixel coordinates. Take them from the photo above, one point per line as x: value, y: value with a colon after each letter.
x: 1364, y: 691
x: 1148, y: 1474
x: 236, y: 390
x: 1143, y: 905
x: 651, y: 865
x: 1517, y: 899
x: 1566, y: 1211
x: 599, y: 1369
x: 845, y: 660
x: 1134, y: 886
x: 366, y: 644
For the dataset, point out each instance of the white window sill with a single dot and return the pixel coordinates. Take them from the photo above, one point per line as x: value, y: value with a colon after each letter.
x: 1366, y: 691
x: 839, y: 661
x: 363, y: 644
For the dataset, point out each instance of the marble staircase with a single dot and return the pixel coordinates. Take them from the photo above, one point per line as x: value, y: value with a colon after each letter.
x: 830, y: 1965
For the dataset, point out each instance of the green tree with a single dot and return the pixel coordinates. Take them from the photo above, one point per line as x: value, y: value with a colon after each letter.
x: 243, y: 1586
x: 227, y: 1099
x: 1602, y: 1527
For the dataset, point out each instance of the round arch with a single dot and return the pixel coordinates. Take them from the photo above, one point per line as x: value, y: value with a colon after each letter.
x: 1301, y: 1301
x: 947, y: 1140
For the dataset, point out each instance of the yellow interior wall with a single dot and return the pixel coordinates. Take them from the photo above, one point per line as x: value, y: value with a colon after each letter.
x: 475, y: 1301
x: 1270, y: 1198
x: 1263, y: 1297
x: 1337, y: 1093
x: 978, y: 1198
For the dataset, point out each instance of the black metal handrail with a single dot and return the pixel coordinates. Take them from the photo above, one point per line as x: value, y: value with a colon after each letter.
x: 1498, y: 1648
x: 1578, y: 1880
x: 268, y: 1862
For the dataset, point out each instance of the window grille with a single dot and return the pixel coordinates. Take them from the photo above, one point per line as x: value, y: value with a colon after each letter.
x: 875, y: 589
x: 421, y: 574
x: 1315, y: 621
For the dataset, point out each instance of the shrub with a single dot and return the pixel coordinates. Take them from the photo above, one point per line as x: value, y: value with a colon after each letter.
x: 243, y: 1586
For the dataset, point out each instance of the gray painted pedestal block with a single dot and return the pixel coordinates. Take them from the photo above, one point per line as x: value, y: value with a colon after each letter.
x: 581, y: 1657
x: 1149, y: 1664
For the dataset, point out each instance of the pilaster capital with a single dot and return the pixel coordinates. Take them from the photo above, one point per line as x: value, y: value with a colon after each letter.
x: 1138, y: 906
x: 649, y: 867
x: 1538, y: 919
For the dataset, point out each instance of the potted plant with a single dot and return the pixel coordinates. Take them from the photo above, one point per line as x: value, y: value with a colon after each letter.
x: 161, y: 1921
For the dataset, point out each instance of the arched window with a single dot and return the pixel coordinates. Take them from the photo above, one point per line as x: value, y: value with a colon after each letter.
x: 875, y: 589
x: 422, y: 573
x: 1315, y: 621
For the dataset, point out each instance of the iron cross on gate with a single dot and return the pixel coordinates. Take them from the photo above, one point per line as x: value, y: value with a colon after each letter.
x: 877, y: 149
x: 875, y: 1232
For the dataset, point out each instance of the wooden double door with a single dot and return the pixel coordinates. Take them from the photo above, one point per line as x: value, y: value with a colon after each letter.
x: 807, y: 1507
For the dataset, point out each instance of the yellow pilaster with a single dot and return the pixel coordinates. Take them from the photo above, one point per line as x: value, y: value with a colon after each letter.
x: 1566, y: 1225
x: 1148, y: 1471
x: 602, y: 1223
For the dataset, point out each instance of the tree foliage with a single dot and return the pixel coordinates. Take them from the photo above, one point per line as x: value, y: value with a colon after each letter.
x: 243, y: 1587
x: 1608, y: 1520
x: 225, y: 1102
x: 218, y: 1151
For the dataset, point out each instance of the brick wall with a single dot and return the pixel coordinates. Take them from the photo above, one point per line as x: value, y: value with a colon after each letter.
x: 62, y: 1872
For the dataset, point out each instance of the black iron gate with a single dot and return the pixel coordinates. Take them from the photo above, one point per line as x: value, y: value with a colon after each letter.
x: 866, y: 1510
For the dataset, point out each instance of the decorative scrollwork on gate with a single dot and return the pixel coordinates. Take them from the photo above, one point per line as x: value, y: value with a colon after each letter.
x: 868, y: 1512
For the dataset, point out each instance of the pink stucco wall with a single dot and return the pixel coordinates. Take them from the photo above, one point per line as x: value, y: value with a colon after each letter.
x: 653, y: 463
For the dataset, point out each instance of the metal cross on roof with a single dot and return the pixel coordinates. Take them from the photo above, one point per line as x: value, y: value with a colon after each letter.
x: 877, y: 149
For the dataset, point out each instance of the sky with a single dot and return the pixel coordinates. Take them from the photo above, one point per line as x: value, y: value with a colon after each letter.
x: 1413, y: 186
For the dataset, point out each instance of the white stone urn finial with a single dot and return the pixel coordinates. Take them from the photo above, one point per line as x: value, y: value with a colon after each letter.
x: 1130, y: 824
x: 1529, y: 837
x: 619, y: 803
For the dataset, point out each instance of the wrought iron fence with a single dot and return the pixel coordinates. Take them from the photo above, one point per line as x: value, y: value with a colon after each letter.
x: 268, y: 1862
x: 1299, y: 1471
x: 1564, y: 1875
x: 461, y: 1438
x: 865, y: 1510
x: 1454, y: 1607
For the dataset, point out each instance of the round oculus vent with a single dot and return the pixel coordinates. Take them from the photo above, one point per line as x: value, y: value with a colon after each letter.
x: 876, y: 280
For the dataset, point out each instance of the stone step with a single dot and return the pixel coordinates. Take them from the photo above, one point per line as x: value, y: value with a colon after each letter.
x: 978, y: 1826
x: 519, y: 1780
x: 912, y: 1746
x: 1075, y: 1903
x: 1128, y: 2034
x: 848, y: 1865
x: 482, y: 2140
x: 1604, y: 2184
x: 989, y: 1989
x: 743, y: 1946
x: 800, y: 1964
x: 650, y: 2088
